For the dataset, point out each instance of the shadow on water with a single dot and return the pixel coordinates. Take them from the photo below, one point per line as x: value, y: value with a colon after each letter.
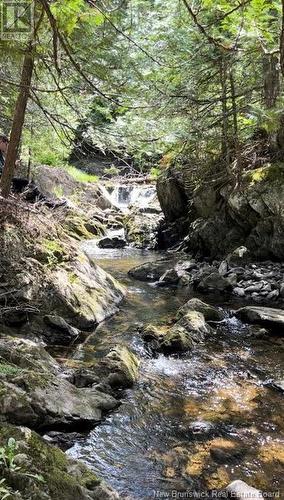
x: 195, y: 422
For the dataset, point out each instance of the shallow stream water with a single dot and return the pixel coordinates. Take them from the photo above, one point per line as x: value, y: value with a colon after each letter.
x: 191, y: 423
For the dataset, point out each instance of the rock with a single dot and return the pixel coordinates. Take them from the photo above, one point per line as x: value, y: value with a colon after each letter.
x: 266, y: 316
x: 177, y: 339
x: 278, y: 385
x: 201, y: 428
x: 23, y: 354
x: 281, y: 291
x: 209, y: 312
x: 64, y: 440
x: 214, y: 282
x: 170, y: 277
x: 190, y: 330
x: 142, y: 228
x: 33, y: 391
x: 254, y: 288
x: 240, y: 489
x: 227, y: 454
x: 273, y: 295
x: 223, y: 219
x: 150, y: 271
x: 43, y: 401
x: 117, y: 370
x: 172, y: 196
x: 62, y: 476
x: 238, y: 257
x: 83, y: 293
x: 60, y: 332
x: 240, y: 292
x: 151, y: 333
x: 114, y: 242
x: 223, y: 268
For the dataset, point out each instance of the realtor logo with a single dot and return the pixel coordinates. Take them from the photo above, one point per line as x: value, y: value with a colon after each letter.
x: 16, y: 19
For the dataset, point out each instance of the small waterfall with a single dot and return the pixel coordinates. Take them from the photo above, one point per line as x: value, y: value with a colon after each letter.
x: 124, y: 195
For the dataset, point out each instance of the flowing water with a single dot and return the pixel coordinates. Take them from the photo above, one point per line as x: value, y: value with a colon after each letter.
x: 191, y: 423
x: 124, y: 195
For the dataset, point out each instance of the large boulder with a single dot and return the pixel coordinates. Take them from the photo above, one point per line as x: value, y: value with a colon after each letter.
x: 44, y: 401
x: 209, y: 312
x: 265, y: 316
x: 172, y: 196
x: 34, y: 392
x: 58, y: 332
x: 214, y: 282
x: 221, y: 219
x: 83, y: 293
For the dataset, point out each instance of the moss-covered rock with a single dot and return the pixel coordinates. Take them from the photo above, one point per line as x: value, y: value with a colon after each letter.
x: 117, y: 370
x: 190, y: 330
x: 83, y: 293
x: 46, y: 473
x: 209, y: 312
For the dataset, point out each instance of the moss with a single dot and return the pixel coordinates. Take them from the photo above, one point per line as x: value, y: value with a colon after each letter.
x: 266, y: 173
x: 52, y: 252
x: 77, y: 229
x: 9, y: 369
x: 73, y: 278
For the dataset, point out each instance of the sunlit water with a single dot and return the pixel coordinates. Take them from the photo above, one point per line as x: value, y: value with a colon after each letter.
x: 159, y: 440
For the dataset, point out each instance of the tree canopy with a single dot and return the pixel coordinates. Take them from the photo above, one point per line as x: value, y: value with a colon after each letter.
x: 150, y: 80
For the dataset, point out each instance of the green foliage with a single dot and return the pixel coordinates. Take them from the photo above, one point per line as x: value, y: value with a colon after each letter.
x: 141, y: 82
x: 111, y: 171
x: 53, y: 252
x: 8, y: 462
x: 155, y: 172
x: 79, y: 175
x: 8, y: 369
x: 8, y: 454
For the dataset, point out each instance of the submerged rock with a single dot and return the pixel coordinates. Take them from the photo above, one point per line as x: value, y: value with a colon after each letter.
x: 266, y: 316
x: 150, y: 271
x: 209, y: 312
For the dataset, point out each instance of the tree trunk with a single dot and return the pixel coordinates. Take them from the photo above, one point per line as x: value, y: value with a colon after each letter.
x: 282, y: 41
x: 271, y: 79
x: 223, y: 81
x: 18, y: 122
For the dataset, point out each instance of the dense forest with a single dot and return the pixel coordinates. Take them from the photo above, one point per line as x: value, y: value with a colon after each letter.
x: 150, y: 83
x: 142, y: 249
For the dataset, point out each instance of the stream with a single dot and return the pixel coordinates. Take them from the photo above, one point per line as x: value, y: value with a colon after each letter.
x: 191, y: 423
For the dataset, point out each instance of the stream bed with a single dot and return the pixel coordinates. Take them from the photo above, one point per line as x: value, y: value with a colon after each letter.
x: 191, y: 423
